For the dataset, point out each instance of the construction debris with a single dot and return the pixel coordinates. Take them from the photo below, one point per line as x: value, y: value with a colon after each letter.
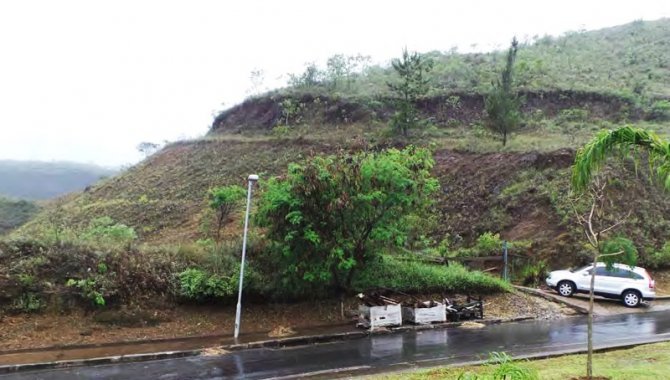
x: 376, y: 299
x: 425, y: 312
x: 469, y: 310
x: 377, y: 310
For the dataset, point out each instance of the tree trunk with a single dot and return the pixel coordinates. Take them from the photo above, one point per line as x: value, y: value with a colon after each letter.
x: 589, y: 357
x: 504, y: 138
x: 219, y: 225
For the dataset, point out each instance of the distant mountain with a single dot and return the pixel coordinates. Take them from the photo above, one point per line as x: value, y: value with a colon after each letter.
x: 35, y: 180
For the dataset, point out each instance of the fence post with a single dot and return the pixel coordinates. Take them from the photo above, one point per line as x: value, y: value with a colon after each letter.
x: 505, y: 274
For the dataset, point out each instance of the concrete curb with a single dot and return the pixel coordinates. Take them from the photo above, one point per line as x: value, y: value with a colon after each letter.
x: 549, y: 297
x: 272, y: 343
x: 5, y: 369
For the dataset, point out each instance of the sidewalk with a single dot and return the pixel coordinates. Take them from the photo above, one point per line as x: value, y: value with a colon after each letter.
x: 191, y: 344
x: 52, y: 357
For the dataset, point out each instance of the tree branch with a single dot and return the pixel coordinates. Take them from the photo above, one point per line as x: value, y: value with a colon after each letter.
x: 616, y: 224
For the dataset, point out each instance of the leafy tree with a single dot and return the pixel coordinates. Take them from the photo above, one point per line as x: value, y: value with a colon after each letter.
x: 310, y: 78
x: 329, y: 216
x: 289, y: 108
x: 622, y: 142
x: 336, y: 69
x: 502, y: 103
x: 223, y: 200
x: 341, y: 68
x: 412, y: 69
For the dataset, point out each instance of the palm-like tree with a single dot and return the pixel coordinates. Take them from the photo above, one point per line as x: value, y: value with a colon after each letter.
x: 589, y: 160
x: 623, y: 141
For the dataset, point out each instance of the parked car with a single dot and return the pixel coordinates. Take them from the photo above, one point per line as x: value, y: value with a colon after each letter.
x: 630, y: 284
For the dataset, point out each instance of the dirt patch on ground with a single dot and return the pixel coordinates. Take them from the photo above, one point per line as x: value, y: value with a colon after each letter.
x: 45, y: 330
x: 472, y: 183
x: 511, y: 305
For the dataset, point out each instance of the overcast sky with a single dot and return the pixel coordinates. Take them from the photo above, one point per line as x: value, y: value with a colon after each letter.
x: 88, y: 80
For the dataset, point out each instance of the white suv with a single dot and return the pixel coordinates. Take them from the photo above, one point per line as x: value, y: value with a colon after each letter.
x: 630, y: 284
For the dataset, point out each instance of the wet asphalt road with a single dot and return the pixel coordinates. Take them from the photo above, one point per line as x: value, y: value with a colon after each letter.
x: 386, y: 352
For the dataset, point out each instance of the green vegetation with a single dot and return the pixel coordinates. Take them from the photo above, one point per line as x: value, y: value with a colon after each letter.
x: 196, y: 284
x: 661, y: 258
x: 223, y: 200
x: 646, y: 362
x: 89, y: 290
x: 590, y: 159
x: 660, y: 110
x: 27, y: 303
x: 330, y: 216
x: 103, y: 231
x: 619, y: 249
x: 622, y: 141
x: 413, y: 84
x: 503, y: 368
x: 61, y: 275
x: 416, y: 277
x: 162, y: 226
x: 629, y: 60
x: 503, y: 104
x: 14, y: 213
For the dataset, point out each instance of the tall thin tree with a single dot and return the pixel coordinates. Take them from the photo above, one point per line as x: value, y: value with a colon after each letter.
x: 412, y: 69
x: 503, y: 103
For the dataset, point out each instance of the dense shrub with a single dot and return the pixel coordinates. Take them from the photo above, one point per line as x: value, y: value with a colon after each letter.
x: 660, y: 110
x: 199, y: 285
x: 104, y: 231
x: 331, y: 215
x: 409, y: 276
x: 532, y: 274
x: 96, y: 276
x: 489, y: 244
x: 661, y: 258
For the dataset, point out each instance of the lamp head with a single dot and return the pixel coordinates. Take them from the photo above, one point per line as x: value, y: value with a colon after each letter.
x: 253, y: 178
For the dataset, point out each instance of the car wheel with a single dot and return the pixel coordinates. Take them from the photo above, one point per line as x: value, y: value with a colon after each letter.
x: 631, y: 298
x: 565, y: 288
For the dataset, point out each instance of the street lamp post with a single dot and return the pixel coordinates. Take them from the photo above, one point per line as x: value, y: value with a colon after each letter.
x: 252, y: 178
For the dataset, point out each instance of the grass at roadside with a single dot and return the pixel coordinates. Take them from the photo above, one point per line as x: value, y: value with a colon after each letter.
x: 642, y: 362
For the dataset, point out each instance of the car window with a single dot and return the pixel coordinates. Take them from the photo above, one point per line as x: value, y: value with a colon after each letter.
x: 602, y: 271
x: 581, y: 269
x: 625, y: 273
x: 617, y: 272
